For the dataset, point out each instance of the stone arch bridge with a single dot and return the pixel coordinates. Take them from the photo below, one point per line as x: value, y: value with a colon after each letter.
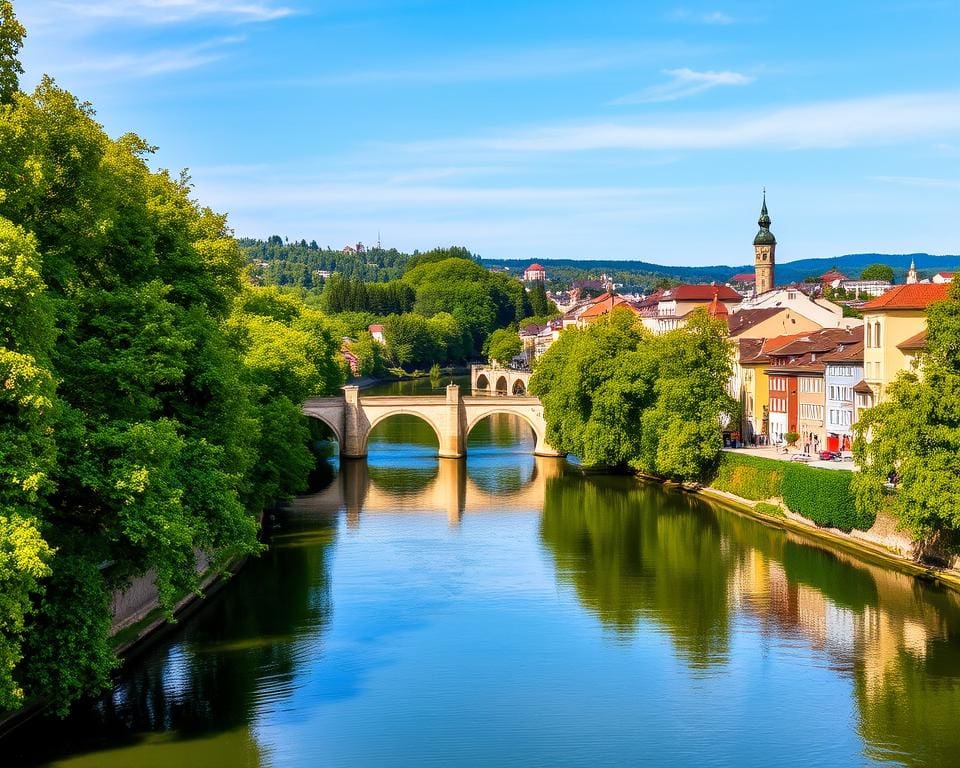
x: 352, y: 417
x: 492, y: 380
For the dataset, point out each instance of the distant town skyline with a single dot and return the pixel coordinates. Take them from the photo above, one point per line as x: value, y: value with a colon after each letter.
x: 537, y: 130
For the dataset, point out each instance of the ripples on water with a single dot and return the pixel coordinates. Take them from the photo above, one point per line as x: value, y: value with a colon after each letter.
x: 503, y: 611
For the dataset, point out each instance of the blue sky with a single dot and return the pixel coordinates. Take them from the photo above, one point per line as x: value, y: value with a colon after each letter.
x: 535, y: 129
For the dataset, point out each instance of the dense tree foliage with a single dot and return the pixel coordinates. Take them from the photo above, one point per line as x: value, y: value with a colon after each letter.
x: 614, y: 395
x: 915, y: 433
x: 504, y: 345
x: 344, y: 294
x: 877, y: 272
x: 148, y: 404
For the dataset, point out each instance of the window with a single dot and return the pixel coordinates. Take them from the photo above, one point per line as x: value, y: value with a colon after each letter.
x: 867, y: 337
x: 876, y: 334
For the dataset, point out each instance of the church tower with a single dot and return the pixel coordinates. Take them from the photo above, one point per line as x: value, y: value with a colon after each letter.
x: 764, y: 250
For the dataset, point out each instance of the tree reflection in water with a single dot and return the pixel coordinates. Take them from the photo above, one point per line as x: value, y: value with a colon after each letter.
x: 635, y: 553
x: 240, y: 652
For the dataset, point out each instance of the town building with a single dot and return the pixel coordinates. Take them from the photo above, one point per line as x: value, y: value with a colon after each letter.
x: 822, y: 312
x: 534, y: 272
x: 764, y: 252
x: 859, y: 289
x: 844, y: 370
x: 670, y: 308
x: 796, y: 380
x: 744, y: 283
x: 377, y: 332
x: 890, y: 320
x: 942, y: 277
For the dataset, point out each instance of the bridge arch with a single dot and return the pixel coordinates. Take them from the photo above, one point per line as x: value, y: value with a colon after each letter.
x: 482, y: 382
x: 539, y: 430
x: 519, y: 388
x: 398, y: 412
x: 334, y: 427
x: 502, y: 385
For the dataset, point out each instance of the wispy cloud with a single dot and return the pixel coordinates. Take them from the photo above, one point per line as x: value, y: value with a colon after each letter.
x: 707, y: 17
x: 159, y: 11
x: 925, y: 182
x: 683, y: 83
x: 871, y: 121
x: 152, y: 63
x: 495, y: 65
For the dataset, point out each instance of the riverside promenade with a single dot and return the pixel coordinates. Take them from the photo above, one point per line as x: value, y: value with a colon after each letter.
x: 773, y: 452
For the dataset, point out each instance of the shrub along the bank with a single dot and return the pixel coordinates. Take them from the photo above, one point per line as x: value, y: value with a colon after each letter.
x: 824, y: 496
x: 749, y: 476
x: 820, y: 495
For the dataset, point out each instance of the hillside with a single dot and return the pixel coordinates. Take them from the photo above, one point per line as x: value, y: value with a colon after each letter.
x: 787, y: 272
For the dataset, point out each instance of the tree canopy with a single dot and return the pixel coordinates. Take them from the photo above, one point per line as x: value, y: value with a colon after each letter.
x: 150, y: 404
x: 615, y: 395
x: 877, y: 272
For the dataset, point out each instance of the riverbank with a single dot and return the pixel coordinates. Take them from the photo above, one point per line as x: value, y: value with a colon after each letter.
x: 131, y: 638
x: 868, y: 545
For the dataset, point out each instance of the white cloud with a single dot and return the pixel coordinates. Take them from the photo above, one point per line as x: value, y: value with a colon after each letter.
x: 152, y: 63
x: 684, y: 82
x: 870, y: 121
x: 708, y: 17
x: 157, y: 11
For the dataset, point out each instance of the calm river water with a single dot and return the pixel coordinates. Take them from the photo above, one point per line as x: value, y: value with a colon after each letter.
x: 507, y: 610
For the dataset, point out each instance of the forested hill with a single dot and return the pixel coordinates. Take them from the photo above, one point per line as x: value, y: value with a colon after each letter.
x: 629, y: 271
x: 279, y: 262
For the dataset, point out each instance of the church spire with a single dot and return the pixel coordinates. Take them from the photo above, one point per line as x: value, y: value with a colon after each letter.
x: 764, y: 252
x: 764, y: 236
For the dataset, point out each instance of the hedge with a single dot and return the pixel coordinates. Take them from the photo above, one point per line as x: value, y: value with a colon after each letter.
x: 824, y: 496
x: 820, y: 495
x: 750, y: 477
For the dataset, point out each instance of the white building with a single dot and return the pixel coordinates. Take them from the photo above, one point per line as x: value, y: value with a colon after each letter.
x: 824, y: 313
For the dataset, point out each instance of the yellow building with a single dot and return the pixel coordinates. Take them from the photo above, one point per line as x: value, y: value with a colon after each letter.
x: 899, y: 316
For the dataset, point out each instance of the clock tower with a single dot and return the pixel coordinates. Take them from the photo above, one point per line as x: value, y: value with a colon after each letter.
x: 764, y: 250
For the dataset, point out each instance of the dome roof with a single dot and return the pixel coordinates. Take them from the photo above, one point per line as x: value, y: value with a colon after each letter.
x: 764, y: 236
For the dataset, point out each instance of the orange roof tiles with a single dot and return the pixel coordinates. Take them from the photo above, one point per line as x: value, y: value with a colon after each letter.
x: 910, y: 296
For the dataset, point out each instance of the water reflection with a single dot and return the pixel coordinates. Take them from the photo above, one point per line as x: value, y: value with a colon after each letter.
x: 634, y: 553
x: 556, y: 609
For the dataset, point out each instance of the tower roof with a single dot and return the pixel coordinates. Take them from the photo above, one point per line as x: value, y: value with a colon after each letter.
x: 764, y: 236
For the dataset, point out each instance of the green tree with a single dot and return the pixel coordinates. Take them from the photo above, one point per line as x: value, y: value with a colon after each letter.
x: 877, y: 272
x: 27, y: 450
x: 504, y: 345
x: 614, y: 395
x: 11, y: 41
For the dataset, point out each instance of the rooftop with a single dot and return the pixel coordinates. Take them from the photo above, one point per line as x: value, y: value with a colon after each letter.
x: 909, y: 296
x: 701, y: 293
x: 915, y: 342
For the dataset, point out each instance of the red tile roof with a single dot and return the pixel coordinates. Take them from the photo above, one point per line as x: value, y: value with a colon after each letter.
x: 744, y: 277
x: 535, y: 268
x: 910, y: 296
x: 917, y: 341
x: 701, y: 293
x: 829, y: 277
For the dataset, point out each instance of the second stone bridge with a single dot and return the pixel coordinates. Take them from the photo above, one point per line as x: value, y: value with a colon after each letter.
x: 452, y: 416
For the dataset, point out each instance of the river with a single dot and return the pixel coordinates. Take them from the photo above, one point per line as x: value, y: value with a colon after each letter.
x: 510, y: 610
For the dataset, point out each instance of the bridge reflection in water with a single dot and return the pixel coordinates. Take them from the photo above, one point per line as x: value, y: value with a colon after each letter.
x: 452, y: 490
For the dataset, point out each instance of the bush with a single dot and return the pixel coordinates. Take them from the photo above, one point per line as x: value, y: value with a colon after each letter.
x: 749, y: 476
x: 823, y: 496
x: 791, y: 437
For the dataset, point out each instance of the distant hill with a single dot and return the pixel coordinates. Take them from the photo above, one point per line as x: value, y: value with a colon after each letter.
x: 787, y: 272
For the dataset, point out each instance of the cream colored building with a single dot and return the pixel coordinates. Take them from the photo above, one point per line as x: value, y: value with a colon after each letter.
x: 898, y: 316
